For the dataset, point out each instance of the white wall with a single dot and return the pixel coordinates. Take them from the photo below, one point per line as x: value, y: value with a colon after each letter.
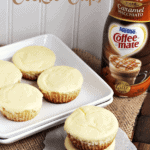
x: 79, y: 25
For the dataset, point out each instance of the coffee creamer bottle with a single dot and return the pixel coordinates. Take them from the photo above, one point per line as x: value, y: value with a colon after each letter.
x: 126, y: 48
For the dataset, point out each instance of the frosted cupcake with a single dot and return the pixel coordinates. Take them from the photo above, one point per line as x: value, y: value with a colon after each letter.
x: 33, y: 60
x: 69, y: 146
x: 91, y: 127
x: 9, y: 73
x: 60, y: 84
x: 20, y: 102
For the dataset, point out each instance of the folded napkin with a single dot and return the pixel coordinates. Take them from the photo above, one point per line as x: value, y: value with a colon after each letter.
x: 55, y: 140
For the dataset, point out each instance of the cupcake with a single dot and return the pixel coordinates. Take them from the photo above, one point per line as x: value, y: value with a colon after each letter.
x: 69, y: 146
x: 91, y: 127
x: 9, y: 73
x: 33, y: 60
x: 60, y: 84
x: 20, y: 102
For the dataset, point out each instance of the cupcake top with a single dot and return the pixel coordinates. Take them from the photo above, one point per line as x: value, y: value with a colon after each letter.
x: 60, y: 79
x: 69, y: 145
x: 20, y: 97
x: 91, y: 124
x: 9, y: 73
x: 34, y: 58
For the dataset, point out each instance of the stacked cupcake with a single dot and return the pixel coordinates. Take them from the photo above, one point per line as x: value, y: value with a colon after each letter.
x: 91, y: 128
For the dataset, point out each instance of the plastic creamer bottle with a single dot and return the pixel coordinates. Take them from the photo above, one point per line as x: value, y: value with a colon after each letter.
x: 126, y: 48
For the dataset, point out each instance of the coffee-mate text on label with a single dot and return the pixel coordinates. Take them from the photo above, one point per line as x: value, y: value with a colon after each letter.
x: 126, y: 48
x: 127, y: 40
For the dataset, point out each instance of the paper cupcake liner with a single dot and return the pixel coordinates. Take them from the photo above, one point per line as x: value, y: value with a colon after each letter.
x: 83, y: 145
x: 21, y: 116
x: 56, y: 97
x: 30, y: 76
x: 69, y: 145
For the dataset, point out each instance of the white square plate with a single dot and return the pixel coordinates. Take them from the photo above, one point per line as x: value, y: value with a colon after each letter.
x: 94, y: 89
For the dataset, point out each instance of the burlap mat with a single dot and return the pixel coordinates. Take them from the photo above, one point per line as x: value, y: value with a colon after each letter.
x: 125, y: 109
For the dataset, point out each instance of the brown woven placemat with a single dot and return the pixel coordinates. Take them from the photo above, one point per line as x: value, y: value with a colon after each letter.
x: 125, y: 109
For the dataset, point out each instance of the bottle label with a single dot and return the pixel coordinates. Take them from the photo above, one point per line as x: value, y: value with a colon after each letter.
x: 126, y: 56
x: 127, y: 40
x: 131, y: 10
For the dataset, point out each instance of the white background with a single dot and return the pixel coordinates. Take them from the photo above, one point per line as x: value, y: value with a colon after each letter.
x: 79, y: 26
